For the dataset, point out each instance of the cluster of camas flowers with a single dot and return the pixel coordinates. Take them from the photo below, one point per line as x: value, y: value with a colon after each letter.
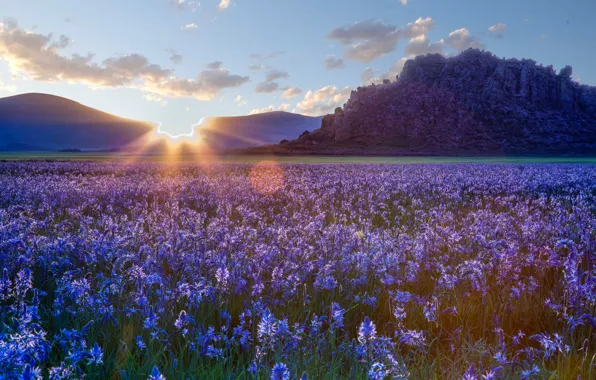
x: 379, y: 271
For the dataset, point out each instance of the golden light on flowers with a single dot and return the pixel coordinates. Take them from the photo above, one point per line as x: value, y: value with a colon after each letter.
x: 267, y: 177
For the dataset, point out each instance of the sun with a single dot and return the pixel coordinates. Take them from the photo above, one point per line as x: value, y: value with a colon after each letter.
x: 172, y: 148
x: 175, y: 139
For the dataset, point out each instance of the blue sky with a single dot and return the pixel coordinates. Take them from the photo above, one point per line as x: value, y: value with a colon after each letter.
x: 147, y: 65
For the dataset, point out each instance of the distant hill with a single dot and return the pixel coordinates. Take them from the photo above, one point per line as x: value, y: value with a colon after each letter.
x: 37, y: 122
x: 222, y: 133
x: 474, y: 103
x: 46, y: 122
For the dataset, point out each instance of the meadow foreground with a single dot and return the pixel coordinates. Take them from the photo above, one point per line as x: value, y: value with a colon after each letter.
x: 139, y: 271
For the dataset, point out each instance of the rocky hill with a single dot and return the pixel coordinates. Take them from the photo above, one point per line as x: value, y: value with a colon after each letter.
x: 473, y: 103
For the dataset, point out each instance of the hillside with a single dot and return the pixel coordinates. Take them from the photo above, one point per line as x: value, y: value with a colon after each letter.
x: 255, y: 130
x: 47, y: 122
x: 473, y: 103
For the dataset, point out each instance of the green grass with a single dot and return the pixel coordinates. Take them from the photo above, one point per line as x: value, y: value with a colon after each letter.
x: 93, y: 156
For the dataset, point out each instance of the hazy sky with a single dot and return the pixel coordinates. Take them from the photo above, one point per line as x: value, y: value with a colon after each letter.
x: 177, y: 61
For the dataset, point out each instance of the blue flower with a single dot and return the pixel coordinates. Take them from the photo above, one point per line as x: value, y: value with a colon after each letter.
x: 155, y: 374
x: 367, y: 331
x: 280, y: 372
x: 95, y: 355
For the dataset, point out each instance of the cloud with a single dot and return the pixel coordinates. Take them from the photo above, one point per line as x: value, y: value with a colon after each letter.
x: 458, y: 40
x: 498, y: 30
x: 240, y: 101
x: 291, y: 92
x: 368, y: 40
x: 175, y: 58
x: 257, y: 67
x: 368, y: 76
x: 282, y: 107
x: 135, y: 65
x: 188, y: 27
x: 323, y: 101
x: 6, y: 88
x: 267, y: 87
x: 224, y: 4
x: 421, y: 45
x: 38, y: 57
x: 206, y: 86
x: 215, y: 65
x: 461, y: 40
x: 265, y: 57
x: 186, y: 4
x: 500, y: 27
x: 155, y: 98
x: 396, y: 68
x: 276, y: 74
x: 404, y: 2
x: 332, y: 63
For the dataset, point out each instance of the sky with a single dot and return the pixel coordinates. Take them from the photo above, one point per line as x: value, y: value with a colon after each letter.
x: 176, y: 62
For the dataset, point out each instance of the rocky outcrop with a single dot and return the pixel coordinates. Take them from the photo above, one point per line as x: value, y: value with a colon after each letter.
x: 473, y: 102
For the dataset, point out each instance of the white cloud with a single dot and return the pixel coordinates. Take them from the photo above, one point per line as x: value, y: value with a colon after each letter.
x: 404, y: 2
x: 421, y: 45
x: 186, y: 4
x: 39, y: 57
x: 240, y: 101
x: 189, y: 27
x: 224, y: 4
x: 500, y: 27
x: 498, y: 30
x: 324, y: 100
x: 332, y: 63
x: 368, y: 40
x: 461, y: 40
x: 282, y: 107
x: 291, y: 92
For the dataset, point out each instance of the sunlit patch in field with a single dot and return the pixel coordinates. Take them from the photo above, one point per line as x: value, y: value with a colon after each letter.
x: 267, y: 177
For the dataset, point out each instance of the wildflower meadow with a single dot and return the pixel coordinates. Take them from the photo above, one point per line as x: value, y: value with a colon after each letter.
x: 297, y: 271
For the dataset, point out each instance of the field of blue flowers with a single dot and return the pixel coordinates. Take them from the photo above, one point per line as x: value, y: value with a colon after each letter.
x: 136, y: 271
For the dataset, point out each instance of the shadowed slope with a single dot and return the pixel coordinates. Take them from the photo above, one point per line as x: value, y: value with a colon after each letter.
x: 255, y: 130
x: 46, y: 122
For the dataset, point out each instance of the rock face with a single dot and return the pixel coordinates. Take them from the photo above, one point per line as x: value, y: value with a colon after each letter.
x: 474, y: 102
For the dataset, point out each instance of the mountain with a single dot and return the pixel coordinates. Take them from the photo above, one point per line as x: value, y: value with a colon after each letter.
x: 238, y: 132
x: 473, y: 103
x: 46, y: 122
x: 37, y: 122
